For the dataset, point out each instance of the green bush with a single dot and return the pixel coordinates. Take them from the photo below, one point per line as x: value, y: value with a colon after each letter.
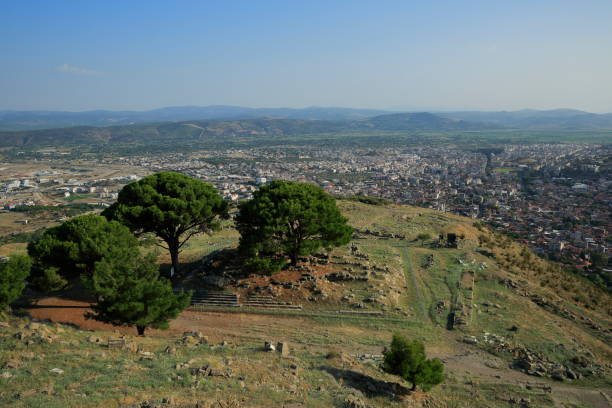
x: 407, y: 359
x: 12, y: 278
x: 264, y: 266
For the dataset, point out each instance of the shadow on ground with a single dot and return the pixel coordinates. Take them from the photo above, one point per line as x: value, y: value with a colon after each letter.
x: 369, y: 386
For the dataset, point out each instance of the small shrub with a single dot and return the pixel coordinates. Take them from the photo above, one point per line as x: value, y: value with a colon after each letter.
x: 407, y: 359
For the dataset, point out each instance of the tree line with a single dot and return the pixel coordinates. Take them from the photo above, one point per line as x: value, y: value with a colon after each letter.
x: 283, y: 221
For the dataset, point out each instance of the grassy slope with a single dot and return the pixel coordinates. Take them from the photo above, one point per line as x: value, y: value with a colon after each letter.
x: 420, y: 276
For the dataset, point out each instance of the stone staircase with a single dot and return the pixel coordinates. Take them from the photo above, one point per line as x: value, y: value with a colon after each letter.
x: 218, y: 299
x: 268, y: 302
x: 202, y: 299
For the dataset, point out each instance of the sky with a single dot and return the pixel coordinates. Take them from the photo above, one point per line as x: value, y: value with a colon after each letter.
x: 402, y: 55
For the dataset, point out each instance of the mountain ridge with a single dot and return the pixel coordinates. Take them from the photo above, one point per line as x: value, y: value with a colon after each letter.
x: 220, y: 129
x: 14, y: 120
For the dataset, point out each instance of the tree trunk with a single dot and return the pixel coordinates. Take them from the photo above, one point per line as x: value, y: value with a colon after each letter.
x: 294, y: 258
x: 413, y: 387
x: 173, y: 247
x: 141, y: 330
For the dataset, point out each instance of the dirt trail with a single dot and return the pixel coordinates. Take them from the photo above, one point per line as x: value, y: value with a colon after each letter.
x: 417, y: 293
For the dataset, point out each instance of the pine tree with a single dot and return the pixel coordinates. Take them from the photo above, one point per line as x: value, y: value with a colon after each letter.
x: 130, y: 292
x: 71, y: 249
x: 170, y: 205
x: 407, y: 359
x: 289, y: 219
x: 12, y: 279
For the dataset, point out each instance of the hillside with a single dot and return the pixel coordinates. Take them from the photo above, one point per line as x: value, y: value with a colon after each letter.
x: 31, y: 120
x: 512, y: 330
x: 557, y: 119
x: 228, y: 129
x: 536, y: 119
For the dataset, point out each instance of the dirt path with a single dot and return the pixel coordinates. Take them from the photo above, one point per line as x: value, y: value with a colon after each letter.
x: 416, y: 292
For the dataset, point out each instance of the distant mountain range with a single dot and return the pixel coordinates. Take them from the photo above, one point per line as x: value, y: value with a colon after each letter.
x: 220, y: 129
x: 566, y: 119
x: 228, y: 122
x: 30, y: 120
x: 523, y: 119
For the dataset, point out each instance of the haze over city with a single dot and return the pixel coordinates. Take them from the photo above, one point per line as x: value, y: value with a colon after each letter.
x: 393, y: 55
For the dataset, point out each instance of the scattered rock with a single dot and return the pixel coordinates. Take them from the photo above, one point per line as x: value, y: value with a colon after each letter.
x: 354, y: 401
x: 470, y: 340
x: 56, y: 371
x: 558, y: 374
x: 268, y: 346
x: 94, y: 339
x: 33, y: 326
x: 13, y: 364
x: 283, y: 348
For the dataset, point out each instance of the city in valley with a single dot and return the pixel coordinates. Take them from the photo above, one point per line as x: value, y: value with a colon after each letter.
x: 555, y: 198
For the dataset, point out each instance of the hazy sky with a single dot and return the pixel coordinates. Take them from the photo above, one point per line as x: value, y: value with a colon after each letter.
x: 429, y: 54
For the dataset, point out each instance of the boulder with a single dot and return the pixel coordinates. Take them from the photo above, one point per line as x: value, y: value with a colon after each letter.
x: 283, y: 348
x: 269, y: 346
x: 558, y: 374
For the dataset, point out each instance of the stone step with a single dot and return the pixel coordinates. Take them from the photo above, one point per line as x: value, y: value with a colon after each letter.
x: 224, y: 304
x: 234, y: 298
x: 214, y: 300
x: 248, y: 302
x: 272, y: 306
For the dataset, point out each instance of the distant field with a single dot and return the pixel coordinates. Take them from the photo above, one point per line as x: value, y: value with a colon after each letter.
x: 465, y: 140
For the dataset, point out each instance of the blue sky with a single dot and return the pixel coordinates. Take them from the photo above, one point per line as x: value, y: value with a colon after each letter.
x: 460, y: 54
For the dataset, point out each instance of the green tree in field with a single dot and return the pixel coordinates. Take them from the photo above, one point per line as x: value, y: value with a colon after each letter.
x: 288, y: 219
x: 407, y: 359
x: 72, y: 249
x: 131, y: 292
x: 170, y: 205
x: 12, y: 279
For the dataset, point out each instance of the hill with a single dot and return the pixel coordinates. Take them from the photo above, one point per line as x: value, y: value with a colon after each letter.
x: 228, y: 129
x: 512, y: 329
x: 420, y: 121
x: 31, y: 120
x: 559, y: 119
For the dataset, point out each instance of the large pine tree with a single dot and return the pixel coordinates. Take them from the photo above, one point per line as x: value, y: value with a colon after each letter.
x: 130, y: 292
x: 289, y: 219
x: 71, y: 249
x: 170, y: 205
